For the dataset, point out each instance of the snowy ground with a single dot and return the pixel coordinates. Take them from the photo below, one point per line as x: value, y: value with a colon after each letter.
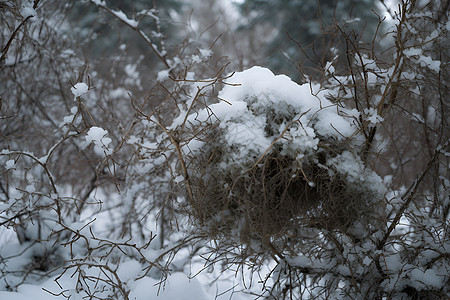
x: 179, y: 285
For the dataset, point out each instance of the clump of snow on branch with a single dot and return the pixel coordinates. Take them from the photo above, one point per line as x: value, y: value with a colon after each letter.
x: 97, y: 136
x: 28, y: 10
x: 10, y: 164
x: 79, y: 89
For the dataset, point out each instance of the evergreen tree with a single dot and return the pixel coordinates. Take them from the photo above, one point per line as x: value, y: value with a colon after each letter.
x: 303, y: 22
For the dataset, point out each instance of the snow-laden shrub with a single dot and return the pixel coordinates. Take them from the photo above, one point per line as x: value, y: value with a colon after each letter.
x: 274, y: 156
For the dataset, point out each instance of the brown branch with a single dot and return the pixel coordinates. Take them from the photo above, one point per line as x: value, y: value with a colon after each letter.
x: 407, y: 201
x: 8, y: 44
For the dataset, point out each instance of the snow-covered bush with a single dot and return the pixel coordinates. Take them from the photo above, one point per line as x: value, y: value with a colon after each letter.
x: 273, y: 158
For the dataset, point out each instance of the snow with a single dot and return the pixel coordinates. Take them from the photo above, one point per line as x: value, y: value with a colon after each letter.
x: 122, y: 16
x: 67, y: 53
x: 178, y: 179
x: 177, y: 286
x: 30, y: 188
x: 118, y: 93
x: 70, y: 118
x: 100, y: 3
x: 133, y: 76
x: 425, y: 279
x: 28, y: 10
x: 412, y: 52
x: 10, y: 164
x: 206, y: 53
x: 422, y: 59
x: 329, y: 67
x: 372, y: 116
x: 162, y: 75
x: 129, y: 270
x: 279, y: 90
x: 254, y: 96
x: 426, y: 61
x: 431, y: 115
x: 24, y: 296
x: 79, y: 89
x: 97, y: 135
x: 367, y: 261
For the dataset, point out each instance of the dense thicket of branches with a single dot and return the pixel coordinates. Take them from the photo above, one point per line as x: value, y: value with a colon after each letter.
x: 157, y: 156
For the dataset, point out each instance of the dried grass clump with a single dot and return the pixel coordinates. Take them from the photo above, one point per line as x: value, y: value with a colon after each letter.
x: 273, y: 159
x: 280, y: 194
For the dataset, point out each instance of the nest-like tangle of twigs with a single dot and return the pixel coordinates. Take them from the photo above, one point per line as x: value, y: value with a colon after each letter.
x: 275, y: 197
